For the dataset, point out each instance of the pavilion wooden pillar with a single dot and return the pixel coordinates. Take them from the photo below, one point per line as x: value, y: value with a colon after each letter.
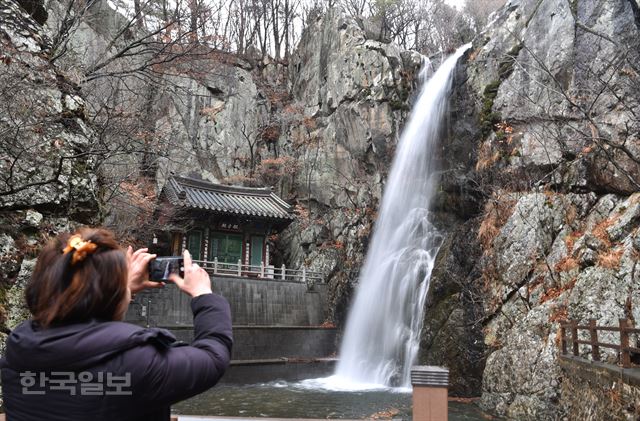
x: 430, y: 393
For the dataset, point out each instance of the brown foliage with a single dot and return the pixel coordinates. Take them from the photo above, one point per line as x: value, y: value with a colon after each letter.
x: 385, y: 415
x: 335, y: 245
x: 535, y: 284
x: 487, y: 156
x: 610, y: 259
x: 271, y: 133
x: 571, y: 214
x: 240, y: 180
x: 600, y: 230
x: 272, y: 170
x: 310, y: 123
x: 496, y: 213
x: 567, y: 264
x: 553, y: 293
x: 211, y: 112
x: 462, y: 400
x: 301, y: 211
x: 559, y: 314
x: 570, y: 240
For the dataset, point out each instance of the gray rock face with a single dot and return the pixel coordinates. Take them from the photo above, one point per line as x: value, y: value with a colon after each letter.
x: 16, y: 307
x: 529, y: 390
x: 557, y: 165
x: 524, y: 385
x: 346, y: 65
x: 9, y: 254
x: 215, y: 123
x: 48, y: 184
x: 39, y: 146
x: 351, y: 95
x: 562, y: 104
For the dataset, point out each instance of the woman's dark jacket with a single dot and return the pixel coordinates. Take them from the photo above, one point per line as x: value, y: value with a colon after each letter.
x: 160, y: 372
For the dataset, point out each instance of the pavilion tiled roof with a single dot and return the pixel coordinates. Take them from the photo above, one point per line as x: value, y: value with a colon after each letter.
x: 250, y: 201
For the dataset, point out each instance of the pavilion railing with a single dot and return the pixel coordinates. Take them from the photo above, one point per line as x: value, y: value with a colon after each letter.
x: 261, y: 271
x: 570, y: 342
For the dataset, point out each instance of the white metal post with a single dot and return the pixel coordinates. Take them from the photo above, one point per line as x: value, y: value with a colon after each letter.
x: 239, y: 267
x: 205, y: 256
x: 283, y: 270
x: 266, y: 255
x: 215, y: 265
x: 304, y: 274
x: 262, y: 269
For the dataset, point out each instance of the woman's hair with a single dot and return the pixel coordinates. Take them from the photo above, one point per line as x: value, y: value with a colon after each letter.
x: 77, y: 278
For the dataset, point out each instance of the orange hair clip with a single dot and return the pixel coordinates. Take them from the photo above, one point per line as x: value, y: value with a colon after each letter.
x: 80, y: 248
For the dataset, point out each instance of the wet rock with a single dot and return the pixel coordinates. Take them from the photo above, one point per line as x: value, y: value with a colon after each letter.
x: 452, y: 335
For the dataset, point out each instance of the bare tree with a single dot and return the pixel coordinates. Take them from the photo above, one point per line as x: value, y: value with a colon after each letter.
x: 480, y: 10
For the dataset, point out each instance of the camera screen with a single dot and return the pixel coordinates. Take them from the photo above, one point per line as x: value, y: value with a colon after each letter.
x: 161, y: 267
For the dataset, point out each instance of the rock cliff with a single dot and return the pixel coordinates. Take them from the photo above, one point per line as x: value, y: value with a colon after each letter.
x: 48, y: 184
x: 555, y: 99
x: 352, y: 95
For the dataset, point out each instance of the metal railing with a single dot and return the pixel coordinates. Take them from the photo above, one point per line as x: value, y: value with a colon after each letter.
x: 261, y: 271
x: 624, y: 349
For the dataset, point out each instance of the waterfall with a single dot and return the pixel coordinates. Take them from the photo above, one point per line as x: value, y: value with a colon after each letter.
x: 382, y: 335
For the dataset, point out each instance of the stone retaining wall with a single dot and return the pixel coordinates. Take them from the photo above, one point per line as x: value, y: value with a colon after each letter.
x: 597, y: 391
x: 271, y: 318
x: 253, y: 343
x: 257, y: 302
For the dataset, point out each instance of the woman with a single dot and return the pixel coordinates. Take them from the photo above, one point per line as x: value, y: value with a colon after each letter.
x: 76, y: 360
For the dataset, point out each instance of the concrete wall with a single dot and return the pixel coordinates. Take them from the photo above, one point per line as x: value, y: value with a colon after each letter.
x: 254, y: 343
x: 253, y: 302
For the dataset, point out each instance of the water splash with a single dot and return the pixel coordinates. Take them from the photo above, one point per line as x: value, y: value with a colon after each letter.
x: 382, y: 334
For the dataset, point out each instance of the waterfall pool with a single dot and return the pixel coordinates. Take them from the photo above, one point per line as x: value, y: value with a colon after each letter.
x: 297, y: 400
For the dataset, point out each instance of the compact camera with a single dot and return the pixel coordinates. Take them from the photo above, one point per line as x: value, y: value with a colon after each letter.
x: 161, y: 267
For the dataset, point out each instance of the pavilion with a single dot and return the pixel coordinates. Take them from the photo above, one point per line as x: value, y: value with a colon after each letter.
x: 225, y: 226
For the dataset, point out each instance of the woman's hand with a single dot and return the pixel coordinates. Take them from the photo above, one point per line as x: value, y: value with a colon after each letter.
x: 139, y: 270
x: 196, y: 280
